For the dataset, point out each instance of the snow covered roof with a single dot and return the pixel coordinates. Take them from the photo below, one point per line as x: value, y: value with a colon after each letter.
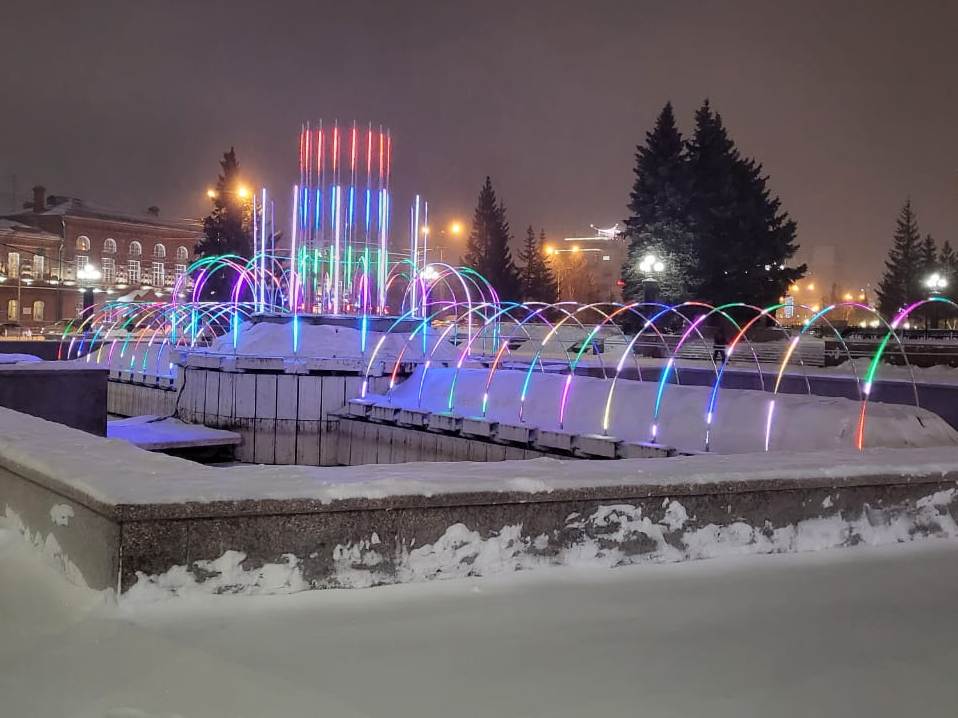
x: 9, y: 226
x: 60, y: 206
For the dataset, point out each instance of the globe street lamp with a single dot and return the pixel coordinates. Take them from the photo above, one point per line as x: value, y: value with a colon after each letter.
x: 651, y: 268
x: 88, y: 275
x: 936, y: 283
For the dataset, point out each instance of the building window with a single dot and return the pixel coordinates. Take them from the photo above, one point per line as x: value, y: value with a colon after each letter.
x: 109, y: 246
x: 82, y: 260
x: 109, y: 269
x: 83, y: 243
x: 39, y: 266
x: 159, y: 251
x: 158, y: 274
x: 136, y: 249
x: 13, y: 310
x: 182, y: 254
x: 180, y: 270
x: 133, y: 270
x: 38, y: 307
x: 13, y: 264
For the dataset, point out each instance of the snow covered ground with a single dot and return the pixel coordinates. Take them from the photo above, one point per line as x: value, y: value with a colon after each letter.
x: 857, y: 632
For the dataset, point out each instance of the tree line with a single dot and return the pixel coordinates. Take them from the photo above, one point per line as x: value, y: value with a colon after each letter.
x: 910, y: 262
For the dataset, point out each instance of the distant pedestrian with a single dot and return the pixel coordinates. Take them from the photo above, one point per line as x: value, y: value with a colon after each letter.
x: 718, y: 345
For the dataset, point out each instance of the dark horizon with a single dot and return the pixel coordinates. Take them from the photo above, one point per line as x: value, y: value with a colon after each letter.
x: 848, y: 108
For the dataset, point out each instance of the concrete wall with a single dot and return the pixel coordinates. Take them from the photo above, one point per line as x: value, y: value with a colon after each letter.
x: 75, y: 397
x: 283, y: 418
x: 138, y: 398
x: 362, y: 532
x: 363, y: 442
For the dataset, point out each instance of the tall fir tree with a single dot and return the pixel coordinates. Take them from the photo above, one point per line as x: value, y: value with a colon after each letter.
x: 487, y: 249
x: 901, y: 282
x: 659, y: 220
x: 743, y: 239
x: 929, y: 256
x: 226, y: 229
x: 535, y: 275
x: 948, y: 262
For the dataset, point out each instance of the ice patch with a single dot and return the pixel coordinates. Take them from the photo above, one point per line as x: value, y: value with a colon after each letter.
x: 60, y: 514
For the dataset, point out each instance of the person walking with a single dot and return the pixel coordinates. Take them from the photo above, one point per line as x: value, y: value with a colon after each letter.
x: 718, y: 344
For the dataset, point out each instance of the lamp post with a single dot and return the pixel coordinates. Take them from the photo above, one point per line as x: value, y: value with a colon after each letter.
x: 936, y: 283
x: 88, y: 275
x: 651, y: 268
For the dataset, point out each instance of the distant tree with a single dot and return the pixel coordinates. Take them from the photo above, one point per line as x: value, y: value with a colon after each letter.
x: 535, y: 274
x: 948, y: 262
x: 576, y: 278
x: 929, y: 256
x: 226, y: 229
x: 743, y: 239
x: 901, y: 282
x: 659, y: 221
x: 487, y: 249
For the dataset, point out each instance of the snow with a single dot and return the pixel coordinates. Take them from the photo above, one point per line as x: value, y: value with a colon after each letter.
x: 739, y: 422
x: 860, y: 632
x: 269, y: 339
x: 75, y: 458
x: 15, y: 358
x: 154, y: 432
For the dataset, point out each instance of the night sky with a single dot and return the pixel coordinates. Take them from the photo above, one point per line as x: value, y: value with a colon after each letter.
x: 851, y: 106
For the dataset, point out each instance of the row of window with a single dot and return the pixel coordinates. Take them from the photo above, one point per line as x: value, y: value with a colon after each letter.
x: 135, y: 250
x: 37, y: 269
x: 37, y: 311
x: 133, y: 270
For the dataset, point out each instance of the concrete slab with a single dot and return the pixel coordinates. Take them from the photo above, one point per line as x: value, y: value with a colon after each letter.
x: 164, y: 433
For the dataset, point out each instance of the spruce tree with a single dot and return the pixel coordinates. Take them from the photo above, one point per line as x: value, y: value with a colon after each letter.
x: 487, y: 249
x: 948, y: 262
x: 743, y: 239
x: 900, y: 284
x: 226, y: 229
x: 535, y: 275
x: 659, y: 220
x: 929, y: 256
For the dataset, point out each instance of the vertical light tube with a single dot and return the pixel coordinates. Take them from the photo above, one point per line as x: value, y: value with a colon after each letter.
x: 262, y: 256
x: 292, y: 254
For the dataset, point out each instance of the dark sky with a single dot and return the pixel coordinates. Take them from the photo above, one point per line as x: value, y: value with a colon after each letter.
x: 851, y: 106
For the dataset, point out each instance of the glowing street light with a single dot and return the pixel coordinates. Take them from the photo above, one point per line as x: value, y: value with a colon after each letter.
x: 651, y: 264
x: 936, y: 282
x: 242, y: 191
x: 425, y: 230
x: 89, y: 273
x: 550, y: 250
x: 455, y: 229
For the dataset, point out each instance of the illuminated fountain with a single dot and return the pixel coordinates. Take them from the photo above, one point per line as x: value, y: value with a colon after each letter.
x: 339, y: 312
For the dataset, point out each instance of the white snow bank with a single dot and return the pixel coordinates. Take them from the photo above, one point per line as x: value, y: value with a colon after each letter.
x: 18, y: 358
x: 153, y: 432
x: 326, y: 341
x: 738, y: 423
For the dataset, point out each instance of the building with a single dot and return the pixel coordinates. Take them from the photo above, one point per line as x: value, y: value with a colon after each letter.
x: 46, y: 247
x: 590, y: 267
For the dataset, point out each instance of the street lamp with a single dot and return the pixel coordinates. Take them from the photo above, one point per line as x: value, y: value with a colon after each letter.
x: 937, y: 284
x: 650, y: 266
x: 455, y: 229
x: 88, y: 275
